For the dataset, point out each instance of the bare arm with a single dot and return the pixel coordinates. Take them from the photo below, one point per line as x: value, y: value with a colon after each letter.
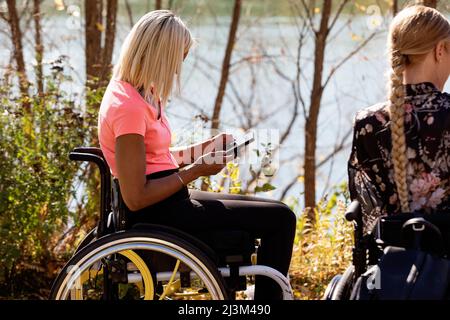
x: 137, y: 191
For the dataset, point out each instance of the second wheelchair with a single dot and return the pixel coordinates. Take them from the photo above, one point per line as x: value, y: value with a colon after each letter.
x: 406, y: 256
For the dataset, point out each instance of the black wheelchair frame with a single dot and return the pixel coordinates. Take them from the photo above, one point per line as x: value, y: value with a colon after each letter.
x: 95, y: 155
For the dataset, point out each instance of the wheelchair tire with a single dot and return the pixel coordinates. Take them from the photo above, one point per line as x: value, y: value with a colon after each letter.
x: 331, y: 287
x: 138, y: 240
x: 88, y: 238
x: 344, y: 286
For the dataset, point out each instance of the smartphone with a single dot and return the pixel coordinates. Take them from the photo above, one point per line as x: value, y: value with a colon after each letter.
x: 239, y: 144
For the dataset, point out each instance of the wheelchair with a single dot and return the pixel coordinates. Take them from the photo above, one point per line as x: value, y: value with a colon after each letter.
x: 116, y: 261
x: 429, y: 233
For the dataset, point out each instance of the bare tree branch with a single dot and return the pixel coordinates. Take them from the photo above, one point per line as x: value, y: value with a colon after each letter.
x: 129, y: 13
x: 308, y: 16
x: 342, y: 145
x: 338, y: 14
x: 39, y: 47
x: 349, y: 56
x: 16, y: 36
x: 226, y: 64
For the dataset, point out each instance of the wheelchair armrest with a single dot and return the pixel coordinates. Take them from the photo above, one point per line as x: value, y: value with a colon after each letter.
x: 353, y: 211
x: 99, y: 161
x: 89, y: 150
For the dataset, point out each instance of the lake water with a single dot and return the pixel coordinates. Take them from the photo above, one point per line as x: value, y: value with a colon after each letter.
x: 359, y: 83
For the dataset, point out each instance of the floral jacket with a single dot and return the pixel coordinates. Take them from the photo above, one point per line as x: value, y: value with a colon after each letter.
x: 370, y: 169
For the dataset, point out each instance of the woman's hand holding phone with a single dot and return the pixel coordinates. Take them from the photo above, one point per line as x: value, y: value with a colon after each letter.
x: 207, y: 165
x: 212, y: 160
x: 211, y: 163
x: 218, y: 151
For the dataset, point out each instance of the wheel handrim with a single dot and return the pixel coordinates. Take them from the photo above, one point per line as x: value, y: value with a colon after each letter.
x: 141, y: 243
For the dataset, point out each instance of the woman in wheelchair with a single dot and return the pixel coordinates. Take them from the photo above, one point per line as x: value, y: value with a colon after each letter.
x: 399, y: 165
x: 135, y: 136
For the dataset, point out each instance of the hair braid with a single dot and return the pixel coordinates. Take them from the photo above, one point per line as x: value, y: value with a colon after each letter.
x: 397, y: 124
x: 414, y: 33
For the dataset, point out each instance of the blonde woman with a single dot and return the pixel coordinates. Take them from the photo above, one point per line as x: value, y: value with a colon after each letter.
x: 400, y: 159
x: 135, y: 137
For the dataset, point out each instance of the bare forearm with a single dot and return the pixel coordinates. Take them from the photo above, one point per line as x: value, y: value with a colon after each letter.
x: 138, y: 192
x: 156, y: 190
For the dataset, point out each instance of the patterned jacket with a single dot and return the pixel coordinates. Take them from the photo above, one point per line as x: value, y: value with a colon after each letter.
x: 370, y: 169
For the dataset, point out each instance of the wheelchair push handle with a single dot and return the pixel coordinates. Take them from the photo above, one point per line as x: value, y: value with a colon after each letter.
x: 89, y: 150
x: 353, y: 211
x: 89, y: 157
x: 418, y: 226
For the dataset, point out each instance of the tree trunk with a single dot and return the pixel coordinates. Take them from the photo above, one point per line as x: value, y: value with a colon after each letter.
x: 110, y: 35
x: 39, y: 47
x: 313, y: 114
x: 158, y: 4
x: 99, y: 53
x: 93, y: 38
x: 226, y: 64
x: 429, y: 3
x: 16, y: 35
x: 100, y: 35
x: 394, y: 7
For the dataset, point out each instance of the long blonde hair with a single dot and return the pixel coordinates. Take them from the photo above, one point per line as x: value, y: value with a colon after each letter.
x: 414, y: 32
x: 152, y: 54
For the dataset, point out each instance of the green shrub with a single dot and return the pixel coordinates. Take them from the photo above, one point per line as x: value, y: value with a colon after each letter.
x: 37, y: 222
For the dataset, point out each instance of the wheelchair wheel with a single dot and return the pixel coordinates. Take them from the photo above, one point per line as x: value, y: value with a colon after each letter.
x: 331, y: 287
x: 139, y: 265
x: 340, y: 287
x: 88, y: 238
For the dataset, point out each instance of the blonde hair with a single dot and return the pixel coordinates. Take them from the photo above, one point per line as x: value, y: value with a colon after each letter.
x: 152, y: 54
x: 414, y: 33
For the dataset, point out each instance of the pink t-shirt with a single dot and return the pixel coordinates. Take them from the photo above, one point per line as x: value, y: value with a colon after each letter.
x: 124, y: 111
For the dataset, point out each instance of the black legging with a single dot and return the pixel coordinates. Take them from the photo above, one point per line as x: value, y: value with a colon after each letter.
x: 196, y: 211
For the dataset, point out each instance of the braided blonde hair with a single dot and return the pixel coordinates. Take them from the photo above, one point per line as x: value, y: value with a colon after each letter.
x: 414, y: 33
